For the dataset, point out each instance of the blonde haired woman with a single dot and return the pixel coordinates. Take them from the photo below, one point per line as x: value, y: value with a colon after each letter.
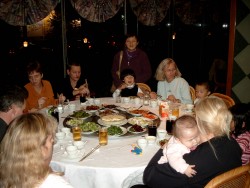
x: 26, y: 152
x: 170, y: 84
x: 217, y: 153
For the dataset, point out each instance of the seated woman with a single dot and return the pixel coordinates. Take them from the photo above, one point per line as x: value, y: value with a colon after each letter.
x: 240, y: 129
x: 170, y: 84
x: 216, y: 154
x: 26, y: 152
x: 40, y: 91
x: 128, y: 87
x: 74, y: 86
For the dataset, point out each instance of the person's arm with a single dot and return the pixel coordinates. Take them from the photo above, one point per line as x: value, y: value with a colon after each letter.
x: 175, y: 157
x: 162, y: 175
x: 185, y: 93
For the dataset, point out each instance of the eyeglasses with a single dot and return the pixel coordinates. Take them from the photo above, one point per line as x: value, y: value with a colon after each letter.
x: 170, y: 70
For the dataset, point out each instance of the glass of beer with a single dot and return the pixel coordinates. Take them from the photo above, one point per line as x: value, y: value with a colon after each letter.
x: 77, y: 133
x: 103, y: 136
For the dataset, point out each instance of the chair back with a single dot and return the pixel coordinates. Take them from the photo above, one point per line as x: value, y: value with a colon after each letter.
x: 228, y: 100
x: 192, y: 93
x: 144, y: 87
x: 236, y: 178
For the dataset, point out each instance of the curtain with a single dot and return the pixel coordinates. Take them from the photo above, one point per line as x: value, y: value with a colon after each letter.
x: 97, y: 10
x: 25, y: 12
x: 150, y: 12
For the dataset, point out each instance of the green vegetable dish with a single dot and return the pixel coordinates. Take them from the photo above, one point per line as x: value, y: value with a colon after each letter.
x: 89, y: 127
x: 80, y: 114
x: 114, y: 130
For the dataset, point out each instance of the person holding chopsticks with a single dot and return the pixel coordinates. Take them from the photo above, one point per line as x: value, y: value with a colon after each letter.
x: 74, y: 85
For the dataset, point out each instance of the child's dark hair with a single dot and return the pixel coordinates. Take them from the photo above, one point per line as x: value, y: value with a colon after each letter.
x: 127, y: 72
x: 204, y: 83
x: 241, y: 114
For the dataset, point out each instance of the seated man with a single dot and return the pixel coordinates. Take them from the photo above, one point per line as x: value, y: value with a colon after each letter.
x: 12, y: 104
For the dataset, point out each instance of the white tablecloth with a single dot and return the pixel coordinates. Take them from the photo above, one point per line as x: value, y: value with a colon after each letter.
x: 111, y: 166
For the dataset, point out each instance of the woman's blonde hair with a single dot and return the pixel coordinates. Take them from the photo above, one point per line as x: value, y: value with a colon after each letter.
x: 213, y: 116
x: 160, y: 75
x: 21, y: 161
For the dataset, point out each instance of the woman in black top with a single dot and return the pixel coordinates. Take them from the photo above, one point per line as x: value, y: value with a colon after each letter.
x: 217, y: 153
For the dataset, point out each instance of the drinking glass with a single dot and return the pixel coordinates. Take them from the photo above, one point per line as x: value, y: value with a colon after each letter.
x: 77, y: 133
x: 103, y: 136
x: 152, y: 130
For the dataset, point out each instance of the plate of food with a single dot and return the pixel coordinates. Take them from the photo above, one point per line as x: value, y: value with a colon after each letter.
x: 110, y: 106
x: 115, y: 131
x: 142, y: 121
x: 80, y: 114
x: 106, y: 111
x: 92, y: 108
x: 136, y: 129
x: 89, y: 127
x: 137, y: 112
x: 150, y: 116
x: 112, y: 119
x: 71, y: 122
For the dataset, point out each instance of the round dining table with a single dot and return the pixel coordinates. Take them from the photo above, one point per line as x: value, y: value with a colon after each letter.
x: 111, y: 166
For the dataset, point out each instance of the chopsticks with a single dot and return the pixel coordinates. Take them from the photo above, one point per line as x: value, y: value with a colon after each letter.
x: 91, y: 151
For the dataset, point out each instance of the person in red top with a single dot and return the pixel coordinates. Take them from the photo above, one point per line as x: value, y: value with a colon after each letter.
x: 131, y: 58
x: 40, y: 91
x: 240, y: 128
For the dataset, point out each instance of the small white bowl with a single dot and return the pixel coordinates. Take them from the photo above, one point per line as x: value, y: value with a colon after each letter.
x: 79, y: 144
x: 90, y: 100
x: 126, y: 99
x: 71, y: 150
x: 151, y: 140
x: 72, y: 106
x: 142, y: 143
x: 60, y: 135
x: 66, y: 130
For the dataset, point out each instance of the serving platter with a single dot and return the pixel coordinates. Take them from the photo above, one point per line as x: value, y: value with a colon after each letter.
x: 95, y: 118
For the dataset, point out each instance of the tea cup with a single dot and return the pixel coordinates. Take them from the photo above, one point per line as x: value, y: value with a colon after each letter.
x: 71, y: 150
x: 97, y: 101
x: 79, y: 144
x: 60, y: 135
x: 72, y: 106
x: 142, y: 143
x: 66, y: 130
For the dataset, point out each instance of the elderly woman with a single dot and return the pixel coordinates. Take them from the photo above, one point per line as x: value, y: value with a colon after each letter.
x: 26, y: 152
x: 40, y: 91
x: 217, y: 153
x: 170, y: 84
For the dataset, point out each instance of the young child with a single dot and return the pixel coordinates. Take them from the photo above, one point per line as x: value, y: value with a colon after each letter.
x: 128, y: 87
x: 185, y: 138
x: 202, y: 90
x: 240, y: 129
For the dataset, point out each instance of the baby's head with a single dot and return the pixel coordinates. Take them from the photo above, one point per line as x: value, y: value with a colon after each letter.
x: 202, y: 90
x: 186, y: 131
x: 128, y: 77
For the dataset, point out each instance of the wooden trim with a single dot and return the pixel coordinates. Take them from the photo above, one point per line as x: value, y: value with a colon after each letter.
x: 231, y: 47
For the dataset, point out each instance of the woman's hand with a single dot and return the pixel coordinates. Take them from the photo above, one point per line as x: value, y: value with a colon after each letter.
x: 153, y: 95
x: 41, y: 102
x: 173, y: 99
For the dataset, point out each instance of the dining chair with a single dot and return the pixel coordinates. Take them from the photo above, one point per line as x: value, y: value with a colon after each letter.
x: 192, y: 93
x: 236, y: 178
x: 228, y: 100
x: 144, y: 87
